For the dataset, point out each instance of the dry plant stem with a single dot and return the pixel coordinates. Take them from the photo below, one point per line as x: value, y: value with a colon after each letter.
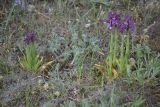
x: 42, y: 14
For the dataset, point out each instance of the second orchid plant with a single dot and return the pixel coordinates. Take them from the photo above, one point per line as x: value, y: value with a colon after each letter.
x: 120, y: 28
x: 31, y: 60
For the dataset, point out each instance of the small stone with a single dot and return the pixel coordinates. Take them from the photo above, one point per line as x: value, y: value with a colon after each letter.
x: 87, y: 25
x: 31, y: 8
x: 57, y: 93
x: 1, y: 77
x: 69, y: 22
x: 77, y: 20
x: 46, y: 86
x: 40, y: 82
x: 132, y: 62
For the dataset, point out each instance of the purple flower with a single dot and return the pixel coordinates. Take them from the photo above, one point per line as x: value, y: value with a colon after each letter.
x: 127, y: 25
x: 18, y: 2
x: 113, y: 20
x: 30, y: 37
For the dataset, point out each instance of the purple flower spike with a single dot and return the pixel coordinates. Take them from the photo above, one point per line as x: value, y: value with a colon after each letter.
x: 30, y: 37
x: 113, y: 20
x: 127, y: 25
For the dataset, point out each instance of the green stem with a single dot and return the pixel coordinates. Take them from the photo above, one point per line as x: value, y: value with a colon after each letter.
x: 115, y: 46
x: 110, y: 55
x: 122, y: 48
x: 121, y: 61
x: 111, y: 44
x: 127, y: 49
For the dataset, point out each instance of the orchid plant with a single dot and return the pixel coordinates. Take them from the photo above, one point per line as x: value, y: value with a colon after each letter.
x: 31, y: 60
x: 119, y: 28
x: 126, y: 27
x: 113, y: 22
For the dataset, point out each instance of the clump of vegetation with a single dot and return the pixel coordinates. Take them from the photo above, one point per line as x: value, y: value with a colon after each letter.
x: 116, y: 62
x: 4, y: 68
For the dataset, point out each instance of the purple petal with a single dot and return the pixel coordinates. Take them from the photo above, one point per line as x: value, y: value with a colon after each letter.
x: 30, y: 37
